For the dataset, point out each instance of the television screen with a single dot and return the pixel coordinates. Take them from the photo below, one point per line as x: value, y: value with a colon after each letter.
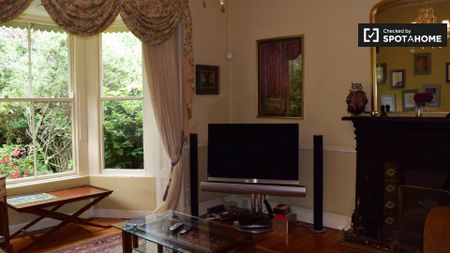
x: 253, y: 153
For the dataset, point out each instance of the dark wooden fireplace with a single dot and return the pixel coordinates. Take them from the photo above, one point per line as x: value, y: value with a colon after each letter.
x: 393, y: 152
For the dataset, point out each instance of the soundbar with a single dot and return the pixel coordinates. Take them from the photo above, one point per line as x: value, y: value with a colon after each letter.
x: 241, y: 188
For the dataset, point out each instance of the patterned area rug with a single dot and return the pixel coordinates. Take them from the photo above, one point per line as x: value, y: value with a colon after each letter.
x: 108, y: 244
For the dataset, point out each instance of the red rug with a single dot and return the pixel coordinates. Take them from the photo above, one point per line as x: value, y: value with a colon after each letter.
x: 108, y: 244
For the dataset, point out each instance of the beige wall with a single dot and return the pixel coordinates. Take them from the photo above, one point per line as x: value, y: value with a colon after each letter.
x: 129, y: 193
x: 332, y: 61
x: 210, y: 41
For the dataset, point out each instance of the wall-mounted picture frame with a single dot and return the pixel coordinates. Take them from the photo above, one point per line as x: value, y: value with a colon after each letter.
x: 434, y: 89
x: 447, y: 72
x: 388, y: 99
x: 381, y: 73
x: 207, y: 80
x: 398, y: 79
x: 280, y: 77
x: 408, y: 103
x: 422, y: 63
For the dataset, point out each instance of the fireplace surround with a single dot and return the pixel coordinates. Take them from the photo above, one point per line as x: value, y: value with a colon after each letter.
x: 398, y: 153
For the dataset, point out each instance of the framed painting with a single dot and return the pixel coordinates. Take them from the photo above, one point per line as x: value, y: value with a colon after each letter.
x: 398, y: 79
x: 388, y: 100
x: 434, y: 89
x: 408, y: 99
x: 206, y: 80
x: 447, y: 72
x: 280, y: 77
x: 381, y: 73
x: 422, y: 64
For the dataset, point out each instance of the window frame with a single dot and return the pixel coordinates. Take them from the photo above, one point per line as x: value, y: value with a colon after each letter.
x: 71, y: 98
x: 139, y: 172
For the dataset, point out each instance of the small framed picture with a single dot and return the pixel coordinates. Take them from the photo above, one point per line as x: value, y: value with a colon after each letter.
x: 388, y: 99
x: 408, y: 99
x: 422, y: 64
x: 207, y: 80
x: 398, y: 79
x: 434, y: 89
x: 447, y: 72
x: 381, y: 73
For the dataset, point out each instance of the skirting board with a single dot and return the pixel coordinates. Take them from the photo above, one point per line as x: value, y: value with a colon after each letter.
x: 98, y: 213
x: 330, y: 220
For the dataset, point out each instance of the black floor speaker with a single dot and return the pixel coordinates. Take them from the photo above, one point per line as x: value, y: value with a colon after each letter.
x: 318, y: 184
x: 193, y: 165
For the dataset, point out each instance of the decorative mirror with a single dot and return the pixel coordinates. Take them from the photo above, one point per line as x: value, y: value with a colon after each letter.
x: 399, y: 72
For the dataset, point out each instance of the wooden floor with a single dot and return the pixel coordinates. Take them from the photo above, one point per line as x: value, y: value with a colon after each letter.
x: 299, y: 240
x: 68, y: 235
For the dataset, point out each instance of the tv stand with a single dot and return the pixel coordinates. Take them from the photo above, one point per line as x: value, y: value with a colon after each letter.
x: 243, y: 188
x: 261, y: 223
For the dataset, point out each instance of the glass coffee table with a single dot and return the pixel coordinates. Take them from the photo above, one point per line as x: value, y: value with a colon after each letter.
x: 203, y: 236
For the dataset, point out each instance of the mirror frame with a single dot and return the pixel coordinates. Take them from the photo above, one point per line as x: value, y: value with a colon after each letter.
x: 373, y: 64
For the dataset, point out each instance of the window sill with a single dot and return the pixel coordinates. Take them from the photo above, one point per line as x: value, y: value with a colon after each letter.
x: 124, y: 173
x: 14, y: 185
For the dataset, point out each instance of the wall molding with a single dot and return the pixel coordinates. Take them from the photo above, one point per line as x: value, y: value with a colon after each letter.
x: 338, y: 149
x: 122, y: 214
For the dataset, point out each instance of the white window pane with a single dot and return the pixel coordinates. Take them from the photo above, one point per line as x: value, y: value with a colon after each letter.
x: 49, y: 64
x: 122, y: 65
x: 14, y: 82
x: 123, y: 134
x: 16, y: 149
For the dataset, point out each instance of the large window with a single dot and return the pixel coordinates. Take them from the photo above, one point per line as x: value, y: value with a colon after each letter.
x: 122, y: 101
x: 35, y: 101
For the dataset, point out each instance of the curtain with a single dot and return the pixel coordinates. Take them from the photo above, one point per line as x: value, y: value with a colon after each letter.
x: 161, y: 64
x: 153, y: 22
x: 81, y: 17
x: 10, y: 9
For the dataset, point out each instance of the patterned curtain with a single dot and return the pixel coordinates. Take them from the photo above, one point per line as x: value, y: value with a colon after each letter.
x: 154, y: 21
x: 81, y: 17
x: 10, y: 9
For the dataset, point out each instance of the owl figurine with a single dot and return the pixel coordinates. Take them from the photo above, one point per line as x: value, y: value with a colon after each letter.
x: 356, y: 99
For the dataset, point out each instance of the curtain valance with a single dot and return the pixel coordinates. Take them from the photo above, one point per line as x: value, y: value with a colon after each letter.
x: 10, y: 9
x: 81, y: 17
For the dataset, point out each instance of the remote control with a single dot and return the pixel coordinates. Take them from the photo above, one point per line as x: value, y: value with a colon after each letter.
x: 175, y: 227
x: 185, y: 230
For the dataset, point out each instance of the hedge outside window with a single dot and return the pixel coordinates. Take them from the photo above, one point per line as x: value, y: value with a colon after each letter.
x: 122, y: 101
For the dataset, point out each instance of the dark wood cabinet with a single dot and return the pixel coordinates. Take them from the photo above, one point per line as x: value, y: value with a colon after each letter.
x: 4, y: 229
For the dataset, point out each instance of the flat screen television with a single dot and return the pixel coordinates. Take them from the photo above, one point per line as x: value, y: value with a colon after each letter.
x: 254, y: 153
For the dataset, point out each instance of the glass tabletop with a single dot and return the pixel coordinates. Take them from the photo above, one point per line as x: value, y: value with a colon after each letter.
x: 204, y: 235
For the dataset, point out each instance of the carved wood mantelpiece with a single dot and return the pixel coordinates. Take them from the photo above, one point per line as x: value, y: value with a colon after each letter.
x: 417, y: 146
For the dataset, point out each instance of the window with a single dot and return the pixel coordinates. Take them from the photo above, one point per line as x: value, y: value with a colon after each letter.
x: 122, y: 101
x: 36, y: 102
